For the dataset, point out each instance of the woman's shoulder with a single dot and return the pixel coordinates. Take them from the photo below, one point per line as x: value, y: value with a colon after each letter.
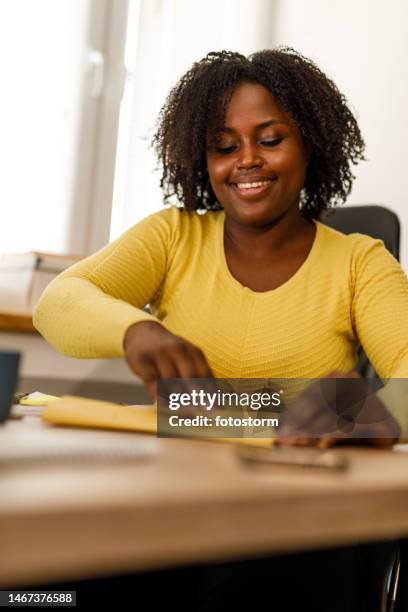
x: 360, y: 253
x: 184, y: 222
x: 354, y: 243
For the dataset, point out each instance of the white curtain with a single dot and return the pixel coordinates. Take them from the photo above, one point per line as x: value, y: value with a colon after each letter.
x: 43, y: 50
x: 171, y: 34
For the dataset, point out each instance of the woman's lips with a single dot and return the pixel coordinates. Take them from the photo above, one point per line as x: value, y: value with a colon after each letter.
x: 252, y: 190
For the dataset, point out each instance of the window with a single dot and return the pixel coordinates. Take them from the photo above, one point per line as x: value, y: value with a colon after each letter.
x: 62, y: 84
x: 164, y: 37
x: 44, y: 55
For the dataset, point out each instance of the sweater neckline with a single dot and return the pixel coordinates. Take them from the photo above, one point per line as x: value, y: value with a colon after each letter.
x: 295, y: 278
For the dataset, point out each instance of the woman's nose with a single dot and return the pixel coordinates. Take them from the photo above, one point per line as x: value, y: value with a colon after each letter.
x: 249, y: 157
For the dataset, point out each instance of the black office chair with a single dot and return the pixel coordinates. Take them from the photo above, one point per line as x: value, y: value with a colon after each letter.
x: 385, y: 561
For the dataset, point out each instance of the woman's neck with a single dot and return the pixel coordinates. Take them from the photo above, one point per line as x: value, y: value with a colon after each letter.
x: 281, y: 235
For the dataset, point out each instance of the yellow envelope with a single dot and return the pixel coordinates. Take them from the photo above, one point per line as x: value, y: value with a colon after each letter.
x: 82, y: 412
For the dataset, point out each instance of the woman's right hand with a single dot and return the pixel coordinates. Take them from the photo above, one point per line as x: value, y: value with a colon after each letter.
x: 153, y: 353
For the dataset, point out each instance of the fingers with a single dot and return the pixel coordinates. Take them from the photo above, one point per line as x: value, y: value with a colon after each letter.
x: 202, y: 368
x: 327, y: 442
x: 191, y: 364
x: 321, y: 443
x: 166, y: 366
x: 327, y: 409
x: 309, y: 415
x: 184, y: 361
x: 296, y: 441
x: 305, y: 441
x: 159, y: 355
x: 145, y: 369
x: 339, y: 374
x: 338, y: 440
x: 179, y: 359
x: 152, y: 387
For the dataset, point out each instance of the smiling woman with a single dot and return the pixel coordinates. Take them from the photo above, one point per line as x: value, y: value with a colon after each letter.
x: 256, y: 287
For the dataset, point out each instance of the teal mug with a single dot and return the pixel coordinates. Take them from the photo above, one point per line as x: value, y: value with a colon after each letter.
x: 9, y: 362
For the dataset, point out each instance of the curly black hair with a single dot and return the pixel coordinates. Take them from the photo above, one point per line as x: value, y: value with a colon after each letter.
x: 200, y: 100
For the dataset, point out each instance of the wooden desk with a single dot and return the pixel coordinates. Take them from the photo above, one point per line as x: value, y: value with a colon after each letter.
x: 17, y: 322
x: 192, y: 502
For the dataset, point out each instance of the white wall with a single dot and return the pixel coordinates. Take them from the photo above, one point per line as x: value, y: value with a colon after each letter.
x: 39, y: 360
x: 363, y: 46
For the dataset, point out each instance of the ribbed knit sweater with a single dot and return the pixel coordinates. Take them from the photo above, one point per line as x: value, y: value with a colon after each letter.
x: 349, y: 290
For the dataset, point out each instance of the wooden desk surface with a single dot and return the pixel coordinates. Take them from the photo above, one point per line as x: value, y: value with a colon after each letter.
x: 17, y: 322
x: 191, y: 502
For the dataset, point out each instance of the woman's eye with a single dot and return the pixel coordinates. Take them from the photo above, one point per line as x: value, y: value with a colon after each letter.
x: 271, y: 143
x: 225, y: 150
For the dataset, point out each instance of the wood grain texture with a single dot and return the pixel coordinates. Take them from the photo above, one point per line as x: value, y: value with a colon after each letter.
x: 192, y: 502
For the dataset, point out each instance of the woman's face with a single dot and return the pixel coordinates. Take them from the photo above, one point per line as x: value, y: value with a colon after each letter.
x: 257, y: 162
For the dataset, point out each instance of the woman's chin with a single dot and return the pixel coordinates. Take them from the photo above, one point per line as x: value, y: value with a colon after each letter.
x: 254, y: 213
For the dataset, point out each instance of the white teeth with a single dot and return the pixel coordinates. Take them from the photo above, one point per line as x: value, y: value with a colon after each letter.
x: 251, y: 185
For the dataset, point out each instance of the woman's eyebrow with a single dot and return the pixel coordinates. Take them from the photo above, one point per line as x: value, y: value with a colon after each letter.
x: 260, y: 126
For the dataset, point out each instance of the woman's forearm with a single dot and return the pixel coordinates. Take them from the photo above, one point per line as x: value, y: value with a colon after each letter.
x: 79, y: 319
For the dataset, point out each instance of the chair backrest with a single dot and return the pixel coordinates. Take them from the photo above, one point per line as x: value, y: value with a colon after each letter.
x: 377, y: 222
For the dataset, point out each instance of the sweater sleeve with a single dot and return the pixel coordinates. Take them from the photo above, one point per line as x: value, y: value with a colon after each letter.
x: 380, y: 318
x: 87, y: 309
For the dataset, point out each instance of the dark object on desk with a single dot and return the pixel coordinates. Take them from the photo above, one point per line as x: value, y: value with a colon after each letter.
x: 9, y: 362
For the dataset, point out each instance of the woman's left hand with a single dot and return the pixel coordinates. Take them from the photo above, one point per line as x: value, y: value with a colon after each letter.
x: 339, y: 409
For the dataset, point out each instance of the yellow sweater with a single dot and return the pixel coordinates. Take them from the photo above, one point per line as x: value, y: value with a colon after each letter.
x: 349, y: 290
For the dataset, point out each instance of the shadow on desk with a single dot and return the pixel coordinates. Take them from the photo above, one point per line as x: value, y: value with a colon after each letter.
x: 121, y: 392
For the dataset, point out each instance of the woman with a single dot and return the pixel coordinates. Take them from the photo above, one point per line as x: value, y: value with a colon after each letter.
x: 256, y: 287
